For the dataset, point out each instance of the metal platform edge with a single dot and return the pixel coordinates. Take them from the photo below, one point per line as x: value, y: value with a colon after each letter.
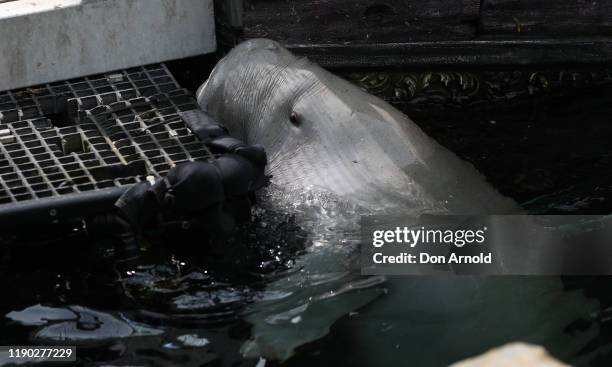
x: 54, y: 209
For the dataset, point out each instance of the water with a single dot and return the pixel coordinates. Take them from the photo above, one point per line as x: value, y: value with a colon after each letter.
x: 174, y: 307
x: 166, y: 310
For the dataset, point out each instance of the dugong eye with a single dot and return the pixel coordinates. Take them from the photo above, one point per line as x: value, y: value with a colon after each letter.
x: 294, y: 118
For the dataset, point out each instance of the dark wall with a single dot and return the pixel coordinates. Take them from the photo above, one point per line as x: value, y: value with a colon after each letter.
x: 360, y: 21
x: 552, y: 18
x: 396, y: 21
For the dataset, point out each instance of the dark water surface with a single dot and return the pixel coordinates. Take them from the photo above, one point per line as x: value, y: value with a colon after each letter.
x: 175, y: 308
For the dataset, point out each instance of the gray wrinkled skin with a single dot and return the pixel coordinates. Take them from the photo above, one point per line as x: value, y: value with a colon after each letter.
x: 345, y: 153
x: 343, y: 140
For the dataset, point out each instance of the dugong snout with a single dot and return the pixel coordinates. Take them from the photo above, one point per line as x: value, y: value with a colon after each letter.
x: 242, y: 84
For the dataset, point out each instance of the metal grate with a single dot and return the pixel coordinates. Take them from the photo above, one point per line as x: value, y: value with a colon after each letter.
x: 90, y: 134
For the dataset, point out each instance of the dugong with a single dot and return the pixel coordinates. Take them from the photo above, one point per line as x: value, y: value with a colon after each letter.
x: 319, y: 130
x: 336, y: 152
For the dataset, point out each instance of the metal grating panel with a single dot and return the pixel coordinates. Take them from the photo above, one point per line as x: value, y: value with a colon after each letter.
x: 90, y: 134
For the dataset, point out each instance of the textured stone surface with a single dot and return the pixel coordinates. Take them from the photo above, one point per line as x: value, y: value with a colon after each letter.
x: 43, y: 41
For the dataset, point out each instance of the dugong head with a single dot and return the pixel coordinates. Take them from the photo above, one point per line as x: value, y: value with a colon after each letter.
x: 256, y: 90
x: 322, y: 131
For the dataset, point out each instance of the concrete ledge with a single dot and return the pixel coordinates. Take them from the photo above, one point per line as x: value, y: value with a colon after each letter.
x: 43, y: 41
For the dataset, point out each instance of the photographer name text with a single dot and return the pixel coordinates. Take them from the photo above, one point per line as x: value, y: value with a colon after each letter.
x: 411, y: 237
